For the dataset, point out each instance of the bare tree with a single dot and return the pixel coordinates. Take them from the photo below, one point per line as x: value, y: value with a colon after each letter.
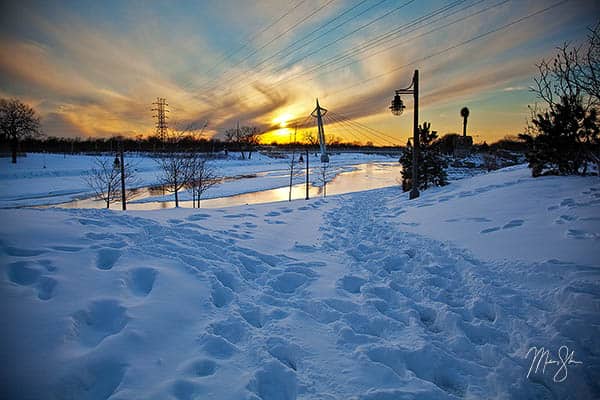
x: 234, y: 136
x: 324, y: 176
x: 176, y: 170
x: 244, y: 138
x: 105, y: 177
x: 574, y: 73
x: 569, y: 85
x: 203, y: 177
x: 589, y: 66
x: 17, y: 121
x: 250, y: 138
x: 310, y: 138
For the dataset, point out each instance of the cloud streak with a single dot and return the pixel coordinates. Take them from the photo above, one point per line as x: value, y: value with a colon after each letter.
x: 89, y: 76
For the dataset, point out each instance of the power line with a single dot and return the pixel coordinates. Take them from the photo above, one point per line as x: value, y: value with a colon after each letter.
x: 304, y: 56
x: 458, y: 45
x: 377, y: 133
x: 254, y: 36
x: 359, y: 136
x: 321, y: 27
x: 348, y: 55
x: 354, y: 31
x: 463, y: 43
x: 345, y: 55
x: 285, y: 32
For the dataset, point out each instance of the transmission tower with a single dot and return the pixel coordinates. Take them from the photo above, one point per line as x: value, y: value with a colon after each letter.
x: 161, y: 117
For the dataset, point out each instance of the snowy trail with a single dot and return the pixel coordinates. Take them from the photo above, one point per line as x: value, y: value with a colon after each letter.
x: 460, y: 326
x: 326, y: 299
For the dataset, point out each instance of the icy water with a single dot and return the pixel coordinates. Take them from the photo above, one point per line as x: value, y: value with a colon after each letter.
x: 365, y: 177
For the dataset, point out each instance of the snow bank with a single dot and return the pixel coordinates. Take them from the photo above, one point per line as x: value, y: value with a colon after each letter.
x: 359, y: 296
x: 40, y: 179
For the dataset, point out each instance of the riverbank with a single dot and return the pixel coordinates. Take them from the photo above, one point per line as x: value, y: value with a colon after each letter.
x: 44, y: 179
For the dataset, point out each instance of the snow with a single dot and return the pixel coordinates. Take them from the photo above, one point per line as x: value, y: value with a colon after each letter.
x: 358, y: 296
x: 41, y: 179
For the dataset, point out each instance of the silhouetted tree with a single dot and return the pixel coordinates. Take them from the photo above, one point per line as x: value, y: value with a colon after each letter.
x: 105, y: 179
x: 17, y: 121
x: 234, y: 136
x: 175, y: 172
x: 565, y: 136
x: 431, y: 162
x: 249, y: 136
x: 446, y: 143
x: 203, y: 177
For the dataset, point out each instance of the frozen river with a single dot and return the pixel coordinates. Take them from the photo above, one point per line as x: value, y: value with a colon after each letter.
x: 364, y: 176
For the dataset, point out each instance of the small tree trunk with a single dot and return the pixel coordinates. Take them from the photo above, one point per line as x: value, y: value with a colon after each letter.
x: 176, y: 198
x: 13, y: 148
x: 108, y: 196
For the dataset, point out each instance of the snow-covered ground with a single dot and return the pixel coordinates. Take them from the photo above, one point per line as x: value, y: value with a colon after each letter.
x: 359, y: 296
x: 40, y: 179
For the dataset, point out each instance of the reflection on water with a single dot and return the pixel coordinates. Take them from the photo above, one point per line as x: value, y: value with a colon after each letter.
x: 365, y: 177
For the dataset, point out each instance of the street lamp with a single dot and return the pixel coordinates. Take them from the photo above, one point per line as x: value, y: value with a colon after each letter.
x: 397, y: 108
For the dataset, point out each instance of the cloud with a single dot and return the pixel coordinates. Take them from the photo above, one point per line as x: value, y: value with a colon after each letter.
x: 96, y: 76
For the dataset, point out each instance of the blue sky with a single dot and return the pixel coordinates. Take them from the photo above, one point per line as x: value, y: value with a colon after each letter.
x: 94, y: 68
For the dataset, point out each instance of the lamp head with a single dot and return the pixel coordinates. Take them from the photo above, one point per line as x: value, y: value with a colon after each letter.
x: 397, y: 106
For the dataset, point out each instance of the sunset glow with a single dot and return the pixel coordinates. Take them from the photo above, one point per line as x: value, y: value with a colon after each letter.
x: 94, y: 68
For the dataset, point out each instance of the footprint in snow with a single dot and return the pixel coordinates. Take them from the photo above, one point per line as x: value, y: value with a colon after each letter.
x: 106, y: 258
x: 141, y: 280
x: 221, y: 295
x: 564, y: 219
x: 233, y: 329
x: 24, y: 273
x: 287, y: 353
x: 490, y: 230
x: 581, y: 234
x: 201, y: 367
x: 515, y: 223
x: 101, y: 319
x: 351, y: 283
x: 217, y: 346
x: 186, y: 390
x: 198, y: 217
x: 274, y: 381
x: 18, y: 252
x: 274, y: 222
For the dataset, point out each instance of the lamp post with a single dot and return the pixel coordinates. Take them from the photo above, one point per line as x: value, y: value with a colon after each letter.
x: 397, y: 108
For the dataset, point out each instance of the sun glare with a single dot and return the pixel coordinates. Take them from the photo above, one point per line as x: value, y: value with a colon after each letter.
x: 282, y: 120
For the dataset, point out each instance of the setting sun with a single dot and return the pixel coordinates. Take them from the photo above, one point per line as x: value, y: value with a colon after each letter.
x: 282, y: 120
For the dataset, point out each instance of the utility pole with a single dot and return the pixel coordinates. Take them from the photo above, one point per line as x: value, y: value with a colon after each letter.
x: 397, y: 108
x: 123, y: 196
x: 161, y: 118
x: 307, y: 174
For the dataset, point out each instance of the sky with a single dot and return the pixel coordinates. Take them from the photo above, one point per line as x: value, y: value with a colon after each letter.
x: 94, y: 68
